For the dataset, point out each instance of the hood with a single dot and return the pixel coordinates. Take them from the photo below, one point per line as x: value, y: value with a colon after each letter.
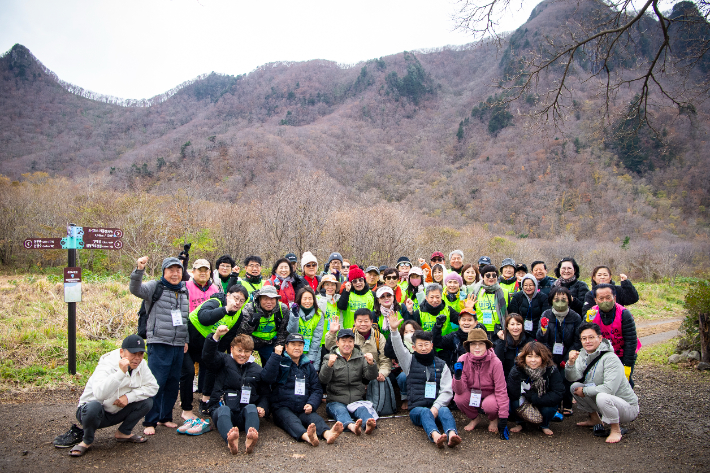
x: 490, y: 354
x: 533, y: 279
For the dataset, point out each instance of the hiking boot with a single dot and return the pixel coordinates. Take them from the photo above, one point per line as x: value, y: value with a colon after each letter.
x: 72, y: 437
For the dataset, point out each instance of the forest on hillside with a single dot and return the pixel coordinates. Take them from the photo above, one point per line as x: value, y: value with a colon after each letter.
x: 397, y: 155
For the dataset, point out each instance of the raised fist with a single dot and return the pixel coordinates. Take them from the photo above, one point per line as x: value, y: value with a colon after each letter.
x: 141, y: 262
x: 331, y: 360
x: 222, y: 331
x: 368, y: 357
x: 278, y: 349
x: 440, y: 319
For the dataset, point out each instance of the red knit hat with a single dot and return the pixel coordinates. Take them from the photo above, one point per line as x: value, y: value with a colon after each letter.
x: 355, y: 272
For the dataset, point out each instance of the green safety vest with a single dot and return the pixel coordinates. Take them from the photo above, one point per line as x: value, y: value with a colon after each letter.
x: 414, y: 299
x: 428, y: 320
x: 508, y: 290
x: 403, y: 285
x: 267, y: 327
x: 228, y: 320
x: 457, y: 305
x: 380, y: 322
x: 306, y: 329
x: 331, y: 310
x: 355, y: 302
x: 486, y: 310
x: 250, y: 287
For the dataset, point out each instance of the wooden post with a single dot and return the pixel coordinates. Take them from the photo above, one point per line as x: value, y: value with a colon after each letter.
x: 704, y: 330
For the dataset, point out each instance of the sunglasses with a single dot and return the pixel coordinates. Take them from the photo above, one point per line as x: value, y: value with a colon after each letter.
x: 311, y: 265
x: 346, y: 266
x: 391, y: 278
x: 355, y: 281
x: 490, y: 275
x: 437, y: 259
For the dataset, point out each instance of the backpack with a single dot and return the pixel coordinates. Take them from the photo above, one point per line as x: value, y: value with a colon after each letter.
x: 381, y: 395
x: 143, y: 312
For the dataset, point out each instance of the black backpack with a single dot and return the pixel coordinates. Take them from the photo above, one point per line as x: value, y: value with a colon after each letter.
x: 381, y: 395
x: 143, y: 312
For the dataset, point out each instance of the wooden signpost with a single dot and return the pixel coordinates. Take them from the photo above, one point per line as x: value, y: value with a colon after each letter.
x: 77, y: 238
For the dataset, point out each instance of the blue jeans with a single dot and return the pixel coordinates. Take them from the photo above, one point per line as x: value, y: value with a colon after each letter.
x: 547, y: 413
x: 165, y: 362
x: 339, y: 412
x: 422, y: 417
x: 402, y: 383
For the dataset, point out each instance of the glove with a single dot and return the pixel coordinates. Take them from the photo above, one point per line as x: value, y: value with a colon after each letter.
x: 503, y: 429
x: 627, y: 372
x: 187, y: 248
x: 543, y: 324
x: 440, y: 319
x: 183, y: 256
x: 458, y: 369
x: 294, y: 306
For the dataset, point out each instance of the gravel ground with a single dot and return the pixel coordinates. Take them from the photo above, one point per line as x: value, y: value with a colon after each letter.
x: 671, y: 434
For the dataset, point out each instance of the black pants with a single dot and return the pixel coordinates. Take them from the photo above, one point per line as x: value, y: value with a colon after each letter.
x: 295, y: 425
x: 92, y: 416
x: 225, y: 418
x: 205, y: 380
x: 567, y: 398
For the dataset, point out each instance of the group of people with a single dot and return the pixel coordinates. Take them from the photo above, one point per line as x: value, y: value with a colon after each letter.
x: 520, y: 347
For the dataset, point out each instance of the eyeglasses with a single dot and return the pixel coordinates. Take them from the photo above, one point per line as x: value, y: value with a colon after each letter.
x: 311, y: 265
x: 255, y: 265
x: 391, y: 278
x: 437, y: 259
x: 225, y: 266
x: 490, y: 275
x: 588, y: 339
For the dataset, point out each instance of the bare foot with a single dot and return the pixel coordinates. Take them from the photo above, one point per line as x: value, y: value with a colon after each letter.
x: 187, y: 415
x: 356, y: 428
x: 312, y: 437
x: 149, y: 430
x: 591, y: 421
x: 170, y: 425
x: 405, y: 405
x: 333, y: 433
x: 438, y: 439
x: 252, y: 438
x: 493, y: 427
x: 233, y: 440
x: 517, y: 428
x: 586, y: 423
x: 370, y: 426
x: 615, y: 434
x: 472, y: 425
x: 547, y: 431
x: 454, y: 440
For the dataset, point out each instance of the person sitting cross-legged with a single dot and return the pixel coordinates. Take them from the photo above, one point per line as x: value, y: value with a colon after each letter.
x: 238, y: 385
x: 429, y: 389
x: 296, y: 393
x: 120, y: 391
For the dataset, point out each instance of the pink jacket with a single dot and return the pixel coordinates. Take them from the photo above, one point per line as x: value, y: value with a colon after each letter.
x: 486, y: 375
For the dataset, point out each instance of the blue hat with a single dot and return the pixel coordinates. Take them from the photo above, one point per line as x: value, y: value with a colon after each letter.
x: 345, y: 332
x: 484, y: 260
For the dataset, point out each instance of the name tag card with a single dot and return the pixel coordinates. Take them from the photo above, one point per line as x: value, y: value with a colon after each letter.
x: 246, y: 395
x: 300, y: 389
x: 177, y: 317
x: 475, y: 400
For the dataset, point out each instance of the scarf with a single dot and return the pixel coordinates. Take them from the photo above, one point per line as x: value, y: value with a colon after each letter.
x: 562, y: 282
x: 501, y: 303
x: 224, y: 278
x: 425, y: 359
x: 253, y: 279
x: 172, y: 287
x: 537, y: 379
x: 560, y: 316
x: 307, y: 311
x: 508, y: 281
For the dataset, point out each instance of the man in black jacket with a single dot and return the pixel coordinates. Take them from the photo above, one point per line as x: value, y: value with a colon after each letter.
x: 296, y: 393
x: 238, y: 385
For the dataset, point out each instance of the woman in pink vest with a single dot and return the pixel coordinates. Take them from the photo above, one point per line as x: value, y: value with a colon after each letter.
x: 199, y: 289
x: 617, y: 325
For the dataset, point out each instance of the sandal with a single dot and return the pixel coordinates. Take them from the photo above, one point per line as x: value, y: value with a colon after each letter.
x: 132, y: 439
x: 78, y: 450
x: 567, y: 412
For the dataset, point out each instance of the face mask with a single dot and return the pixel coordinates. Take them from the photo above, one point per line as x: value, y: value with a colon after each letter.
x: 560, y: 306
x: 606, y: 306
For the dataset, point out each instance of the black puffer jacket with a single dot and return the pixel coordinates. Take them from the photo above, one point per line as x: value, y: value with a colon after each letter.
x: 507, y: 350
x: 579, y: 290
x: 529, y: 309
x: 281, y: 372
x: 554, y: 387
x: 626, y: 295
x: 212, y: 311
x: 566, y: 333
x: 451, y: 345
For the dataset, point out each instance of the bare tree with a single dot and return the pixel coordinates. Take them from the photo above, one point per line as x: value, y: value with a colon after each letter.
x: 669, y: 52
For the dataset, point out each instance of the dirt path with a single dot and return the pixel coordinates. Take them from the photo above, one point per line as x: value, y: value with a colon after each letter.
x: 657, y: 331
x: 670, y: 435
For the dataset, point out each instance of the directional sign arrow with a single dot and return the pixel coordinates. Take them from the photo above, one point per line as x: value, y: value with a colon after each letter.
x: 96, y: 232
x: 43, y: 243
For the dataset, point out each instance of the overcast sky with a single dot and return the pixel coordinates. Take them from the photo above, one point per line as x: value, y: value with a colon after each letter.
x: 140, y: 48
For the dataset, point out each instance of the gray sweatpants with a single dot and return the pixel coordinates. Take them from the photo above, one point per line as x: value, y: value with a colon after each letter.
x: 612, y: 409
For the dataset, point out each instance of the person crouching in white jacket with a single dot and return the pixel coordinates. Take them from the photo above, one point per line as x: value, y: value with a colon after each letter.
x: 120, y: 391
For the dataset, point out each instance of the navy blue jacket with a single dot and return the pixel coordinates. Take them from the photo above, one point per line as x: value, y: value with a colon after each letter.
x: 280, y: 372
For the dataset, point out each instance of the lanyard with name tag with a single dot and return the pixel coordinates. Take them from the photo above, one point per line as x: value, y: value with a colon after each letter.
x: 528, y: 326
x: 558, y: 348
x: 430, y: 390
x: 177, y: 317
x: 487, y: 318
x: 300, y: 389
x: 306, y: 344
x: 475, y: 400
x: 246, y: 395
x: 590, y: 385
